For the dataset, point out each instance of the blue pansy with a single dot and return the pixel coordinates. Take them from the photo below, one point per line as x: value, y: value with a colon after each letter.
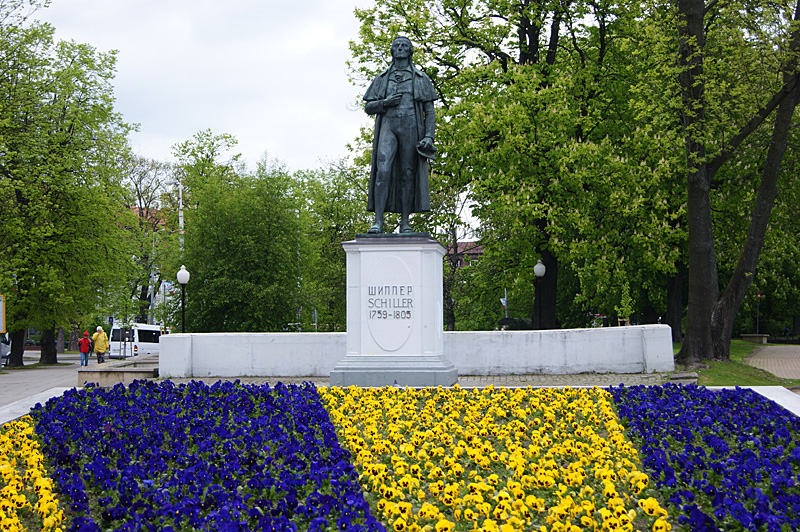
x: 160, y: 456
x: 725, y: 459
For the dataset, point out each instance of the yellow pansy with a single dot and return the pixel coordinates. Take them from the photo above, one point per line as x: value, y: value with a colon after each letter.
x: 651, y: 507
x: 24, y: 479
x: 661, y: 525
x: 503, y: 454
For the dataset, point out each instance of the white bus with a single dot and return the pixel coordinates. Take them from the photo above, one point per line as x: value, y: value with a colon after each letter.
x: 138, y: 339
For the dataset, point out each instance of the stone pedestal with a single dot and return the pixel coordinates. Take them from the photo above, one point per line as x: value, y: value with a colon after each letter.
x: 394, y: 313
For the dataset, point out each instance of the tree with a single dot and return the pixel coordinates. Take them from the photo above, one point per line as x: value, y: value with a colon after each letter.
x: 242, y: 248
x: 777, y: 276
x: 147, y: 181
x: 332, y: 210
x: 535, y: 121
x: 718, y: 116
x: 476, y: 292
x: 451, y: 230
x: 62, y: 239
x: 205, y: 158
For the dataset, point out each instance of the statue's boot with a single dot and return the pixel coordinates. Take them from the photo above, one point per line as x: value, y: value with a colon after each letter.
x: 377, y: 227
x: 381, y: 195
x: 407, y: 196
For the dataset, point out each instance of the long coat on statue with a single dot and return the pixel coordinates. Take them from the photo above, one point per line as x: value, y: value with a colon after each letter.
x: 424, y: 95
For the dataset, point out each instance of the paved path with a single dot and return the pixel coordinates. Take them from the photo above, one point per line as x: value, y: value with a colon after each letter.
x: 18, y: 383
x: 780, y: 360
x: 21, y: 389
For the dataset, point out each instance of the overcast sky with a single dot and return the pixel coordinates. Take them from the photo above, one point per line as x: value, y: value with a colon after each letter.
x: 271, y: 73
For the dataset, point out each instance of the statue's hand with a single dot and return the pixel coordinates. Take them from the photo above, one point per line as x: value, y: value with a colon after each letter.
x: 426, y: 143
x: 393, y: 100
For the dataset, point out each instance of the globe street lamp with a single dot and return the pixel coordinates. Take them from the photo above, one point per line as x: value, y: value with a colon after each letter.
x: 183, y: 278
x: 539, y: 271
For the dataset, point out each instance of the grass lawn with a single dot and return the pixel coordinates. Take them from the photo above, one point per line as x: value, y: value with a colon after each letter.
x: 736, y: 372
x: 36, y: 366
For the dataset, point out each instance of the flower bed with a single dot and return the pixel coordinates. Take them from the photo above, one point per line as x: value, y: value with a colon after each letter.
x: 226, y: 457
x: 727, y: 459
x: 26, y: 492
x: 494, y: 459
x: 232, y: 457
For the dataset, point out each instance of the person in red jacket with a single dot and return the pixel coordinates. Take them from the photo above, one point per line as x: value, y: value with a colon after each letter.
x: 85, y: 347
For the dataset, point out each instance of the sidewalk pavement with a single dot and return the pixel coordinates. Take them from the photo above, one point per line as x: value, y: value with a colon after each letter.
x: 780, y: 360
x: 21, y: 389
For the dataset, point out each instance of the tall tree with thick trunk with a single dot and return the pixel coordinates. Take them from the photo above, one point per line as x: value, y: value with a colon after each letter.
x: 703, y: 282
x: 728, y: 305
x: 710, y: 318
x: 62, y: 220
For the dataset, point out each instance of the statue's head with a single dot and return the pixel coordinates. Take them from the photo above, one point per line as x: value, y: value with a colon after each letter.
x: 402, y: 48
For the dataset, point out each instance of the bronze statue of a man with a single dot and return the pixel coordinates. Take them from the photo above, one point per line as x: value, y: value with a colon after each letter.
x: 402, y: 101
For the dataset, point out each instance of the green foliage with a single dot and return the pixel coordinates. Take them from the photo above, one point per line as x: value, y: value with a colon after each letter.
x: 332, y: 210
x: 200, y: 162
x: 476, y: 294
x: 567, y: 126
x: 738, y: 80
x: 535, y: 124
x: 778, y: 273
x: 625, y: 308
x: 153, y: 236
x: 242, y: 248
x: 62, y: 232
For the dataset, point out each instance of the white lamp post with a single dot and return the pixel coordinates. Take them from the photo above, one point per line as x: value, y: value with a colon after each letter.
x: 539, y: 271
x: 183, y: 279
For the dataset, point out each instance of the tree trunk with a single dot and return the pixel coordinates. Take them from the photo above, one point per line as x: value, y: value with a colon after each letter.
x: 536, y: 312
x: 17, y: 348
x: 674, y: 317
x: 449, y: 307
x: 703, y: 280
x: 451, y: 261
x: 74, y: 336
x: 796, y: 325
x: 449, y: 311
x: 48, y: 352
x: 728, y: 306
x: 60, y: 341
x: 543, y: 315
x: 144, y: 303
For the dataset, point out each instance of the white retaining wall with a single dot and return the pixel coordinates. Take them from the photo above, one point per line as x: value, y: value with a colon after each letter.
x: 635, y: 349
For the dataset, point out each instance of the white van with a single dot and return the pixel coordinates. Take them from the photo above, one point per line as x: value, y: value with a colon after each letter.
x: 138, y: 339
